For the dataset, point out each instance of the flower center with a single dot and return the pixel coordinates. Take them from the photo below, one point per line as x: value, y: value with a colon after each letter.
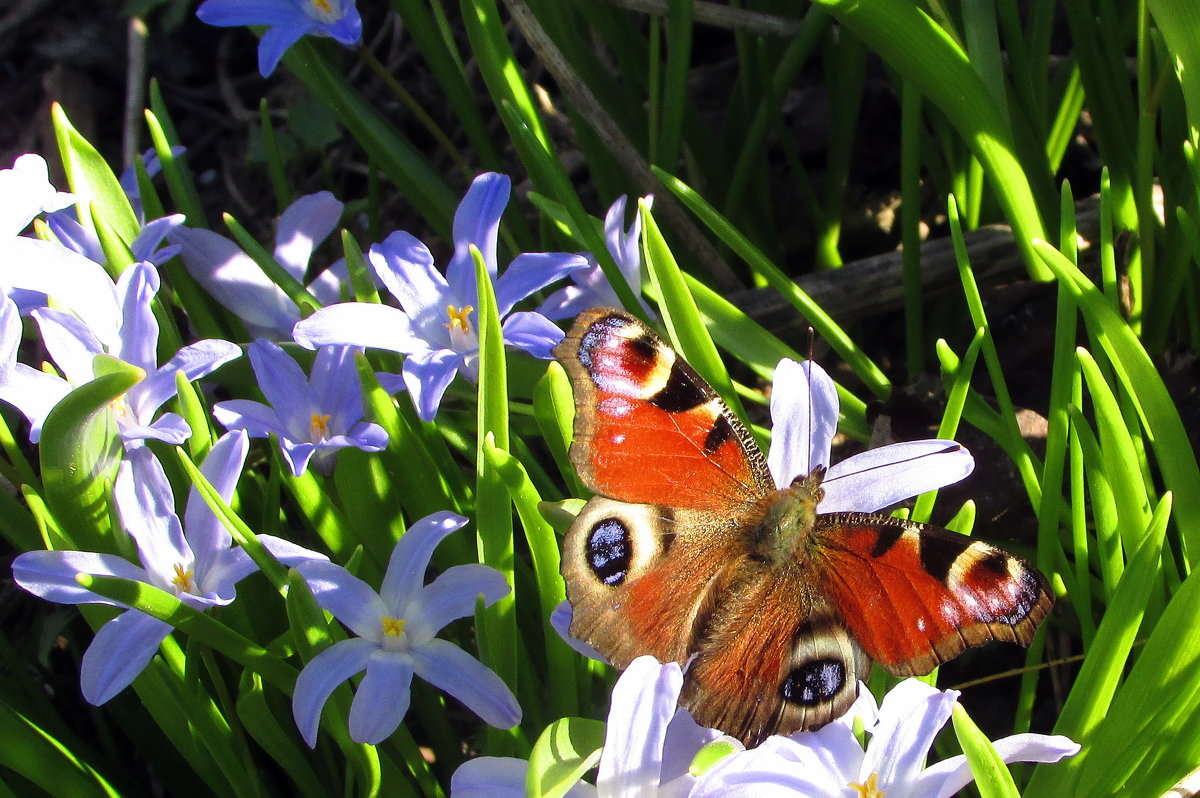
x: 318, y: 427
x: 120, y: 408
x: 323, y: 10
x: 458, y: 318
x: 393, y: 633
x: 869, y: 788
x: 183, y: 579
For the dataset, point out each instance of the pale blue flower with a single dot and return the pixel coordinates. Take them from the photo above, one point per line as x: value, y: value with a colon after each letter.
x: 436, y: 325
x: 649, y: 745
x: 311, y: 417
x: 804, y: 415
x: 831, y: 763
x: 394, y: 639
x: 192, y: 558
x: 287, y: 21
x: 73, y: 344
x: 592, y: 288
x: 236, y: 281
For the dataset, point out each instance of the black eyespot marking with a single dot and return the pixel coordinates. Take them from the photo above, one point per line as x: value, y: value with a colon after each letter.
x: 609, y: 551
x: 888, y: 536
x: 644, y: 348
x: 815, y: 682
x: 996, y: 562
x: 680, y: 394
x: 938, y: 555
x: 721, y: 432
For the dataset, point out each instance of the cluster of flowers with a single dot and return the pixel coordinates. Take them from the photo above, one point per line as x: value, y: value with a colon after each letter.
x: 57, y: 280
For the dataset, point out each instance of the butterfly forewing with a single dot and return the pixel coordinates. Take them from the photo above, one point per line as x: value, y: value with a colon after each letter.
x: 916, y: 596
x: 648, y: 428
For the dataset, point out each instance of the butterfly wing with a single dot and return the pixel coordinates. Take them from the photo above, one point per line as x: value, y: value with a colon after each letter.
x: 675, y: 472
x: 774, y: 659
x: 648, y: 428
x: 915, y: 596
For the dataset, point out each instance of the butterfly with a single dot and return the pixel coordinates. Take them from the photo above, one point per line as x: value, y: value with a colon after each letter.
x: 689, y: 552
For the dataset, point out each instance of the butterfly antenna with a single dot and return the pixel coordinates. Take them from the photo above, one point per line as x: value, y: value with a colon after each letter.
x: 808, y: 376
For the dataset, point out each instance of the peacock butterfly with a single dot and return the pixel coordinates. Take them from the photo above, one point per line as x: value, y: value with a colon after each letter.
x: 689, y: 552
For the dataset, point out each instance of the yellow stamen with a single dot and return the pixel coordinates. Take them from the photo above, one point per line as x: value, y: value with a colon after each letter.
x: 318, y: 427
x: 869, y: 788
x: 322, y: 6
x: 119, y: 407
x: 392, y: 627
x: 458, y: 318
x: 183, y: 578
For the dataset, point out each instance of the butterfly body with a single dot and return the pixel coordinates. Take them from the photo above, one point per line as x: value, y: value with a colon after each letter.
x: 689, y: 552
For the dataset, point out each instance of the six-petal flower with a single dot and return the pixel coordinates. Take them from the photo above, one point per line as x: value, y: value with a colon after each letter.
x: 396, y: 630
x: 311, y: 417
x: 288, y: 20
x: 192, y: 559
x: 436, y: 325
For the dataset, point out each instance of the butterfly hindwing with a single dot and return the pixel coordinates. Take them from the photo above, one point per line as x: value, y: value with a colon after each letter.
x: 648, y: 428
x: 774, y: 659
x: 636, y: 585
x: 915, y: 596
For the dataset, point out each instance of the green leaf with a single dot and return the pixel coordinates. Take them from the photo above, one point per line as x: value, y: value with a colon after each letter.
x: 991, y: 775
x: 92, y: 180
x: 1142, y: 383
x: 566, y: 750
x: 29, y: 750
x: 80, y: 454
x: 268, y: 731
x: 684, y: 324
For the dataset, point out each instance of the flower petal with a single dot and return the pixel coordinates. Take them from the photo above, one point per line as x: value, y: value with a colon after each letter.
x: 532, y: 333
x: 359, y: 324
x: 137, y: 288
x: 145, y: 245
x: 69, y: 342
x: 449, y: 668
x: 335, y: 386
x: 476, y: 221
x: 405, y: 266
x: 351, y: 600
x: 79, y: 284
x: 321, y: 676
x: 763, y: 772
x: 34, y: 393
x: 804, y: 415
x: 452, y: 596
x: 170, y: 428
x: 560, y: 620
x: 276, y: 41
x: 946, y: 778
x: 257, y: 419
x: 491, y: 777
x: 194, y: 360
x: 146, y: 505
x: 25, y: 191
x: 222, y: 466
x: 381, y: 698
x: 881, y: 477
x: 303, y: 225
x: 285, y: 386
x: 235, y: 13
x: 120, y: 651
x: 50, y: 575
x: 643, y: 704
x: 405, y: 574
x: 910, y: 717
x: 533, y: 271
x: 235, y: 280
x: 427, y: 376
